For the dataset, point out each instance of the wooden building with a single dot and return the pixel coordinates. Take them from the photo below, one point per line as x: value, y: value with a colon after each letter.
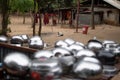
x: 106, y: 11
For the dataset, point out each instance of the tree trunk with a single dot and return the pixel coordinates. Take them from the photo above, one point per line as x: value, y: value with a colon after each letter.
x: 24, y: 16
x: 92, y: 15
x: 5, y: 15
x: 32, y: 17
x: 77, y: 17
x: 33, y: 24
x: 40, y: 24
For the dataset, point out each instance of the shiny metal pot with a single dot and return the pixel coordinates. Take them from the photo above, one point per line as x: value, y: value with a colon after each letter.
x: 74, y: 48
x: 43, y: 53
x: 36, y: 42
x: 61, y: 43
x: 69, y: 41
x: 16, y: 63
x: 85, y: 52
x: 67, y: 60
x: 109, y: 71
x: 65, y: 57
x: 110, y: 46
x: 16, y: 40
x: 107, y: 42
x: 67, y: 63
x: 3, y: 39
x: 88, y: 69
x: 90, y: 59
x: 107, y: 57
x: 94, y: 45
x: 45, y: 66
x: 25, y: 38
x: 117, y: 51
x: 60, y: 52
x: 79, y: 43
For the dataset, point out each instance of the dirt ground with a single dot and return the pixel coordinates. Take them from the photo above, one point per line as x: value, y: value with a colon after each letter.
x: 49, y: 32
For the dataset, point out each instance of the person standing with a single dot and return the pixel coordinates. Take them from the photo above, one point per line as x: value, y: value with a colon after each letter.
x: 46, y: 18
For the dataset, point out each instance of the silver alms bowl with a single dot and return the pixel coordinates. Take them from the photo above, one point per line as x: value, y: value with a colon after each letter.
x: 3, y: 39
x: 36, y: 42
x: 74, y: 48
x: 107, y: 42
x: 89, y: 68
x: 59, y: 52
x: 94, y: 45
x: 16, y: 40
x: 16, y: 63
x: 43, y: 53
x: 85, y: 52
x: 45, y: 66
x: 69, y: 41
x: 61, y: 43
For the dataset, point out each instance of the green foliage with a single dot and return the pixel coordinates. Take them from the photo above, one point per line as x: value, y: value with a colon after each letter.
x: 21, y: 5
x: 26, y: 5
x: 0, y: 4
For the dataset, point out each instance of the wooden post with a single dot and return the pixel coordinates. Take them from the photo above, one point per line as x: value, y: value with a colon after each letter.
x: 77, y: 16
x: 92, y: 15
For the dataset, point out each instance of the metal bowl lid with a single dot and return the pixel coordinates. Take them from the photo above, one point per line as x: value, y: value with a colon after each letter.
x: 59, y: 52
x: 90, y: 59
x: 61, y: 43
x: 79, y: 43
x: 94, y: 44
x: 35, y: 38
x: 107, y: 42
x: 75, y: 47
x: 69, y: 41
x: 17, y: 37
x: 36, y: 42
x: 43, y: 53
x: 85, y: 52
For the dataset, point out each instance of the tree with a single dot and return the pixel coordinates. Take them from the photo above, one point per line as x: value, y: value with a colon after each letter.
x: 21, y: 6
x: 77, y: 18
x: 5, y: 15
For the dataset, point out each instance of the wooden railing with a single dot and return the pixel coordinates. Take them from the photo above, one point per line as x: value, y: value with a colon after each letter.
x: 8, y: 48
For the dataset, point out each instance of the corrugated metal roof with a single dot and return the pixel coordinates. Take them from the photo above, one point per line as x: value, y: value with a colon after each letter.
x: 115, y: 3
